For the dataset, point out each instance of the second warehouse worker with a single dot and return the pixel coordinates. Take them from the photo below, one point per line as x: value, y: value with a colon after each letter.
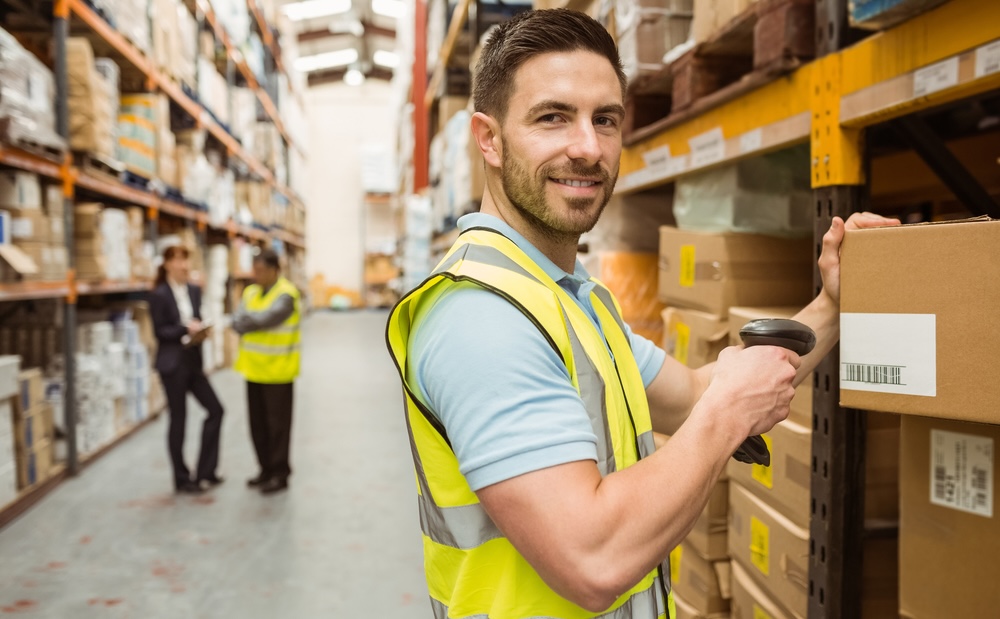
x: 268, y: 322
x: 530, y: 404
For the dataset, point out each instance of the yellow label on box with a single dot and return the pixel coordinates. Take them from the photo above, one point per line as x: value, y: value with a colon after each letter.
x: 760, y: 613
x: 675, y: 562
x: 760, y: 541
x: 764, y: 474
x: 687, y: 266
x: 682, y: 342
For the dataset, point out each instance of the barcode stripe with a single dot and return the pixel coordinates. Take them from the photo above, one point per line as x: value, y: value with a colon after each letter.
x: 873, y: 374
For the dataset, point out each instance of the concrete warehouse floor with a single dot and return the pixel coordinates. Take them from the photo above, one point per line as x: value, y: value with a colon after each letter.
x: 342, y: 542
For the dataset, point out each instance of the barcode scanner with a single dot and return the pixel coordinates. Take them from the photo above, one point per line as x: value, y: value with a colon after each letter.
x: 782, y: 332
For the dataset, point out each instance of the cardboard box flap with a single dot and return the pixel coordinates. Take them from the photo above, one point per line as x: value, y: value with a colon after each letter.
x: 723, y: 570
x: 18, y: 260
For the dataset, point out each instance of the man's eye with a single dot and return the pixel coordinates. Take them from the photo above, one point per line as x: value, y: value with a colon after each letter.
x: 549, y: 118
x: 605, y: 121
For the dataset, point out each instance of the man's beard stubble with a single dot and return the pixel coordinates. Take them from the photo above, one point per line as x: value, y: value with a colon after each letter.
x: 529, y: 199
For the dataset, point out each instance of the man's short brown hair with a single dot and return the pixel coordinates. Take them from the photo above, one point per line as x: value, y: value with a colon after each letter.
x: 527, y: 35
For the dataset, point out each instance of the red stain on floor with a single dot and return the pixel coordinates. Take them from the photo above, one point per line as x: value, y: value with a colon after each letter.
x: 407, y: 599
x: 203, y: 500
x: 178, y: 589
x: 55, y: 565
x: 150, y: 502
x: 20, y: 606
x: 93, y: 602
x: 86, y: 539
x: 114, y: 602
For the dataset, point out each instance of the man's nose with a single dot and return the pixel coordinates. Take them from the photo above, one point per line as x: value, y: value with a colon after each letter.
x: 584, y: 144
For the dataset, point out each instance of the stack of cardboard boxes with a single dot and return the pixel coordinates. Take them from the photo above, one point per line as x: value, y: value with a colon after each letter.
x: 92, y: 99
x: 174, y: 39
x: 916, y: 339
x: 102, y: 243
x: 145, y: 143
x: 9, y: 366
x: 710, y: 16
x: 647, y: 30
x: 33, y: 429
x: 34, y: 230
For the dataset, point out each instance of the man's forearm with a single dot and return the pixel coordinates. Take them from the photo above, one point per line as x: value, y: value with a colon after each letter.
x: 823, y: 317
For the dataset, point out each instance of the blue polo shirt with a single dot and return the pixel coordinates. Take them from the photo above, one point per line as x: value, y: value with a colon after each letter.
x: 501, y: 392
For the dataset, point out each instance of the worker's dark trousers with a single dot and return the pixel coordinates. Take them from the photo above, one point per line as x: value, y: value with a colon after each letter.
x: 270, y: 409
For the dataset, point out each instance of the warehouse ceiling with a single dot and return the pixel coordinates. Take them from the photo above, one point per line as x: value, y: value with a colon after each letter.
x: 345, y: 39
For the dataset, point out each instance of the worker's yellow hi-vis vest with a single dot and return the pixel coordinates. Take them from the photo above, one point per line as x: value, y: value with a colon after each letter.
x: 270, y: 356
x: 472, y: 570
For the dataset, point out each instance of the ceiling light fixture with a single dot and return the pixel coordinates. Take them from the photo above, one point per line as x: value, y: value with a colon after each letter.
x: 311, y: 9
x: 386, y: 59
x: 354, y: 78
x: 326, y: 60
x: 388, y: 8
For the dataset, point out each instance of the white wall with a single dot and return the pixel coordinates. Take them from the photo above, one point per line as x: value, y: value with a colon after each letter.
x: 340, y: 119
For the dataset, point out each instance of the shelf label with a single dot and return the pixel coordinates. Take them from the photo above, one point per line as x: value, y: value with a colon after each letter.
x: 988, y: 59
x: 751, y: 141
x: 677, y: 165
x: 760, y: 542
x: 656, y: 158
x: 962, y: 472
x: 889, y: 353
x: 936, y: 77
x: 707, y: 148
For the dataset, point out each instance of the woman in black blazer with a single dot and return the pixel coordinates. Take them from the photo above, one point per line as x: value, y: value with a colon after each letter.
x: 175, y: 306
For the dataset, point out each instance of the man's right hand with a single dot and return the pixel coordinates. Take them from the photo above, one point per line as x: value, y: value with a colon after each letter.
x: 753, y: 387
x: 194, y: 326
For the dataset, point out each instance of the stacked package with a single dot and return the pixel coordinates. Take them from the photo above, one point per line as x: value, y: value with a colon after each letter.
x: 130, y: 18
x: 137, y: 374
x: 36, y: 233
x: 34, y: 433
x: 244, y: 118
x: 141, y: 252
x: 102, y: 243
x: 417, y: 242
x: 268, y: 147
x: 174, y: 39
x: 213, y: 90
x: 254, y: 199
x: 95, y: 386
x: 213, y: 304
x: 234, y: 17
x: 9, y: 367
x: 92, y: 100
x: 647, y: 30
x: 27, y: 99
x: 145, y: 143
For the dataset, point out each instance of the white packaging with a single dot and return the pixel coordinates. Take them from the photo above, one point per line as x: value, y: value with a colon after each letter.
x: 8, y: 483
x: 10, y: 367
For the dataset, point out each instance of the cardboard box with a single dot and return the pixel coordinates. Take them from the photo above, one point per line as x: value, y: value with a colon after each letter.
x: 715, y: 271
x: 20, y: 190
x: 29, y: 225
x: 694, y: 338
x: 10, y: 367
x: 687, y: 611
x: 914, y: 332
x: 750, y: 601
x: 709, y: 536
x: 800, y: 410
x: 771, y: 547
x: 949, y: 537
x: 31, y: 387
x: 33, y: 427
x: 703, y: 584
x: 34, y: 466
x: 786, y: 484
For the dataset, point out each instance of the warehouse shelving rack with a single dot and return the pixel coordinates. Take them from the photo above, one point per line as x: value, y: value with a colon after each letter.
x: 918, y: 65
x: 932, y: 60
x: 73, y: 178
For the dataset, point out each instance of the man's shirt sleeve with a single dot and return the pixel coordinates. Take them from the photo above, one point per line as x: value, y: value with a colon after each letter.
x: 500, y: 390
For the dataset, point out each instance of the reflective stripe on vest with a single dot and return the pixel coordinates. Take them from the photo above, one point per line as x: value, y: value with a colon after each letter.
x: 472, y: 570
x: 271, y: 356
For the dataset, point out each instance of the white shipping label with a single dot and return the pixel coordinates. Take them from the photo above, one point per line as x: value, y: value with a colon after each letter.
x: 656, y: 158
x: 889, y: 353
x: 988, y: 59
x: 962, y: 472
x: 707, y: 148
x: 936, y: 77
x: 751, y: 141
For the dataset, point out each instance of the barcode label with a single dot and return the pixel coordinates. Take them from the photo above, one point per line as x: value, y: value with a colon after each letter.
x: 873, y: 374
x: 889, y: 353
x: 988, y: 59
x: 962, y: 472
x: 935, y: 77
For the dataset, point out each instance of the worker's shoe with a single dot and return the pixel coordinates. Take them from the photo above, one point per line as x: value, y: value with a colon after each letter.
x: 207, y: 483
x: 188, y: 487
x: 256, y: 482
x: 274, y: 485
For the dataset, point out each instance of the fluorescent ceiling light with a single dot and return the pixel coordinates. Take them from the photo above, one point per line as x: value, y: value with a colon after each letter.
x: 388, y: 8
x: 326, y: 60
x: 354, y: 78
x: 311, y: 9
x: 386, y: 59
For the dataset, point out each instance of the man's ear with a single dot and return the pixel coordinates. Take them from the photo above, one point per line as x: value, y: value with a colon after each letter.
x: 486, y: 132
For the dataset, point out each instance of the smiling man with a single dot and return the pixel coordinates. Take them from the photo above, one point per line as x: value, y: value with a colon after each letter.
x: 530, y: 404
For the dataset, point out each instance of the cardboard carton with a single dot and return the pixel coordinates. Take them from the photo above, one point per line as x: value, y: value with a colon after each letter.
x: 694, y: 338
x: 715, y: 271
x: 915, y: 336
x: 20, y: 190
x: 750, y: 601
x: 949, y: 536
x: 801, y: 408
x: 703, y: 584
x: 34, y: 466
x: 709, y: 536
x: 33, y: 427
x: 687, y: 611
x: 31, y: 385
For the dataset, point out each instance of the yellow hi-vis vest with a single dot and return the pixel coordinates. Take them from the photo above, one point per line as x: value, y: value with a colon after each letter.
x: 270, y: 356
x: 472, y: 570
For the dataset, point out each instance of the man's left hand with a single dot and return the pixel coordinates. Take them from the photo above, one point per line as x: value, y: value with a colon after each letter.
x: 829, y: 260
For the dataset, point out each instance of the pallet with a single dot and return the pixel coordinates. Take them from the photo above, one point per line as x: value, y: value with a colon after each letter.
x: 98, y: 166
x: 770, y: 38
x: 35, y: 142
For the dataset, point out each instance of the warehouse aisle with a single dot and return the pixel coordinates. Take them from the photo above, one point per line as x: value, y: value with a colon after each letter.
x: 343, y: 542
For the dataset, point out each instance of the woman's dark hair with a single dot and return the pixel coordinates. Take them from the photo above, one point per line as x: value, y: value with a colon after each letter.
x: 527, y: 35
x: 174, y: 251
x: 268, y: 258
